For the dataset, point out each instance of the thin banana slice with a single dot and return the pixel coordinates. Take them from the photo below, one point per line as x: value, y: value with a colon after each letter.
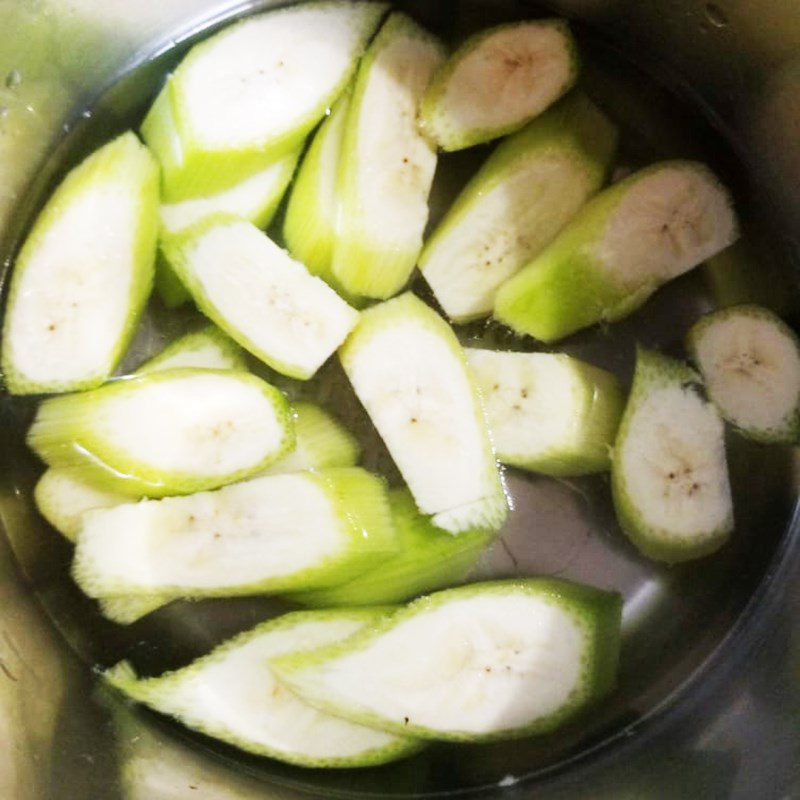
x: 548, y: 412
x: 208, y: 348
x: 310, y: 226
x: 162, y: 433
x: 84, y: 273
x: 411, y: 375
x: 487, y: 661
x: 633, y: 237
x: 428, y: 559
x: 232, y: 695
x: 387, y: 166
x: 252, y: 93
x: 268, y: 534
x: 498, y: 80
x: 750, y: 361
x: 669, y: 474
x: 526, y: 191
x: 260, y: 296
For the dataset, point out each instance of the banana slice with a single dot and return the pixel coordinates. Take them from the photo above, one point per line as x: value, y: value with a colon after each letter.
x: 310, y: 225
x: 428, y: 559
x: 487, y: 661
x: 208, y: 348
x: 526, y: 191
x: 498, y: 80
x: 669, y: 475
x: 251, y: 93
x: 260, y: 296
x: 387, y: 166
x: 84, y: 273
x: 548, y: 412
x: 321, y: 441
x: 162, y: 433
x: 633, y: 237
x: 268, y: 534
x: 232, y: 695
x: 410, y: 373
x: 750, y: 361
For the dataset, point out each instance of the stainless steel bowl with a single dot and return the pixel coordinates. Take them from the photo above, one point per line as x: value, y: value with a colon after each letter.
x: 708, y: 700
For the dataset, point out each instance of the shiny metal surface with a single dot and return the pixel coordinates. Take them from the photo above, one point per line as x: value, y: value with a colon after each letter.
x: 709, y: 697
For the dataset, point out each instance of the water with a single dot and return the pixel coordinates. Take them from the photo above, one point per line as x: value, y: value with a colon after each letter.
x: 674, y: 617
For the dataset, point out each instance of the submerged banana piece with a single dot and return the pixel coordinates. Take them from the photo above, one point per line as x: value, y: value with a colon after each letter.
x: 84, y: 273
x: 750, y: 362
x: 548, y: 412
x: 208, y: 348
x: 310, y: 226
x: 232, y: 695
x: 526, y: 191
x: 411, y: 375
x: 669, y: 474
x: 387, y: 165
x: 498, y: 80
x: 268, y: 534
x: 633, y: 237
x: 428, y: 558
x: 321, y: 441
x: 260, y: 296
x: 170, y: 432
x: 487, y: 661
x: 251, y: 93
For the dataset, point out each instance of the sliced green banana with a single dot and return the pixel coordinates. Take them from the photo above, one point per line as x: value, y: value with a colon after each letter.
x: 526, y: 191
x: 84, y: 273
x: 750, y: 362
x: 428, y: 559
x: 251, y: 93
x: 163, y: 433
x: 127, y: 609
x: 268, y: 534
x: 232, y: 695
x: 633, y: 237
x: 548, y: 412
x: 387, y: 165
x: 309, y: 228
x: 487, y: 661
x: 321, y: 441
x: 63, y: 498
x: 498, y: 80
x: 669, y: 474
x: 260, y: 296
x: 411, y: 375
x: 208, y: 348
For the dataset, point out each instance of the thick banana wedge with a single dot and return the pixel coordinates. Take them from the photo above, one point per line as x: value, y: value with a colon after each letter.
x: 275, y: 533
x: 481, y: 662
x: 526, y: 191
x: 411, y: 375
x: 669, y: 474
x: 163, y: 433
x: 260, y: 296
x: 750, y: 362
x: 633, y: 237
x: 253, y: 92
x: 208, y: 348
x: 84, y: 273
x: 387, y: 166
x: 498, y: 80
x: 548, y: 412
x: 232, y: 695
x: 428, y: 559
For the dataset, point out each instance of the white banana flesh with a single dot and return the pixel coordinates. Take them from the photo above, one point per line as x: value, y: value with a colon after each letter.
x: 270, y: 533
x: 750, y: 361
x: 233, y: 695
x: 260, y: 296
x: 208, y: 348
x: 410, y: 373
